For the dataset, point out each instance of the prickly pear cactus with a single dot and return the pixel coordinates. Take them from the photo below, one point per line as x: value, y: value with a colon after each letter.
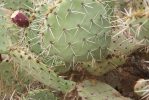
x: 40, y: 94
x: 98, y: 91
x: 44, y: 36
x: 30, y: 63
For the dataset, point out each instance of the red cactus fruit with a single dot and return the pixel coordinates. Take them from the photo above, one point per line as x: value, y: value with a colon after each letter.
x: 20, y: 19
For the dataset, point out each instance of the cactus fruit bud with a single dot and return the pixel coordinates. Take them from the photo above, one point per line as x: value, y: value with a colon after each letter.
x: 20, y: 19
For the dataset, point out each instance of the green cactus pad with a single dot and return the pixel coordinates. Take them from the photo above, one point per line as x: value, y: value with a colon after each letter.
x: 41, y: 94
x: 98, y: 91
x: 76, y: 30
x: 29, y: 62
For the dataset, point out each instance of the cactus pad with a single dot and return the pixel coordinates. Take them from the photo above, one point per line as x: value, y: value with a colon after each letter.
x: 39, y: 71
x: 98, y: 91
x: 76, y: 30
